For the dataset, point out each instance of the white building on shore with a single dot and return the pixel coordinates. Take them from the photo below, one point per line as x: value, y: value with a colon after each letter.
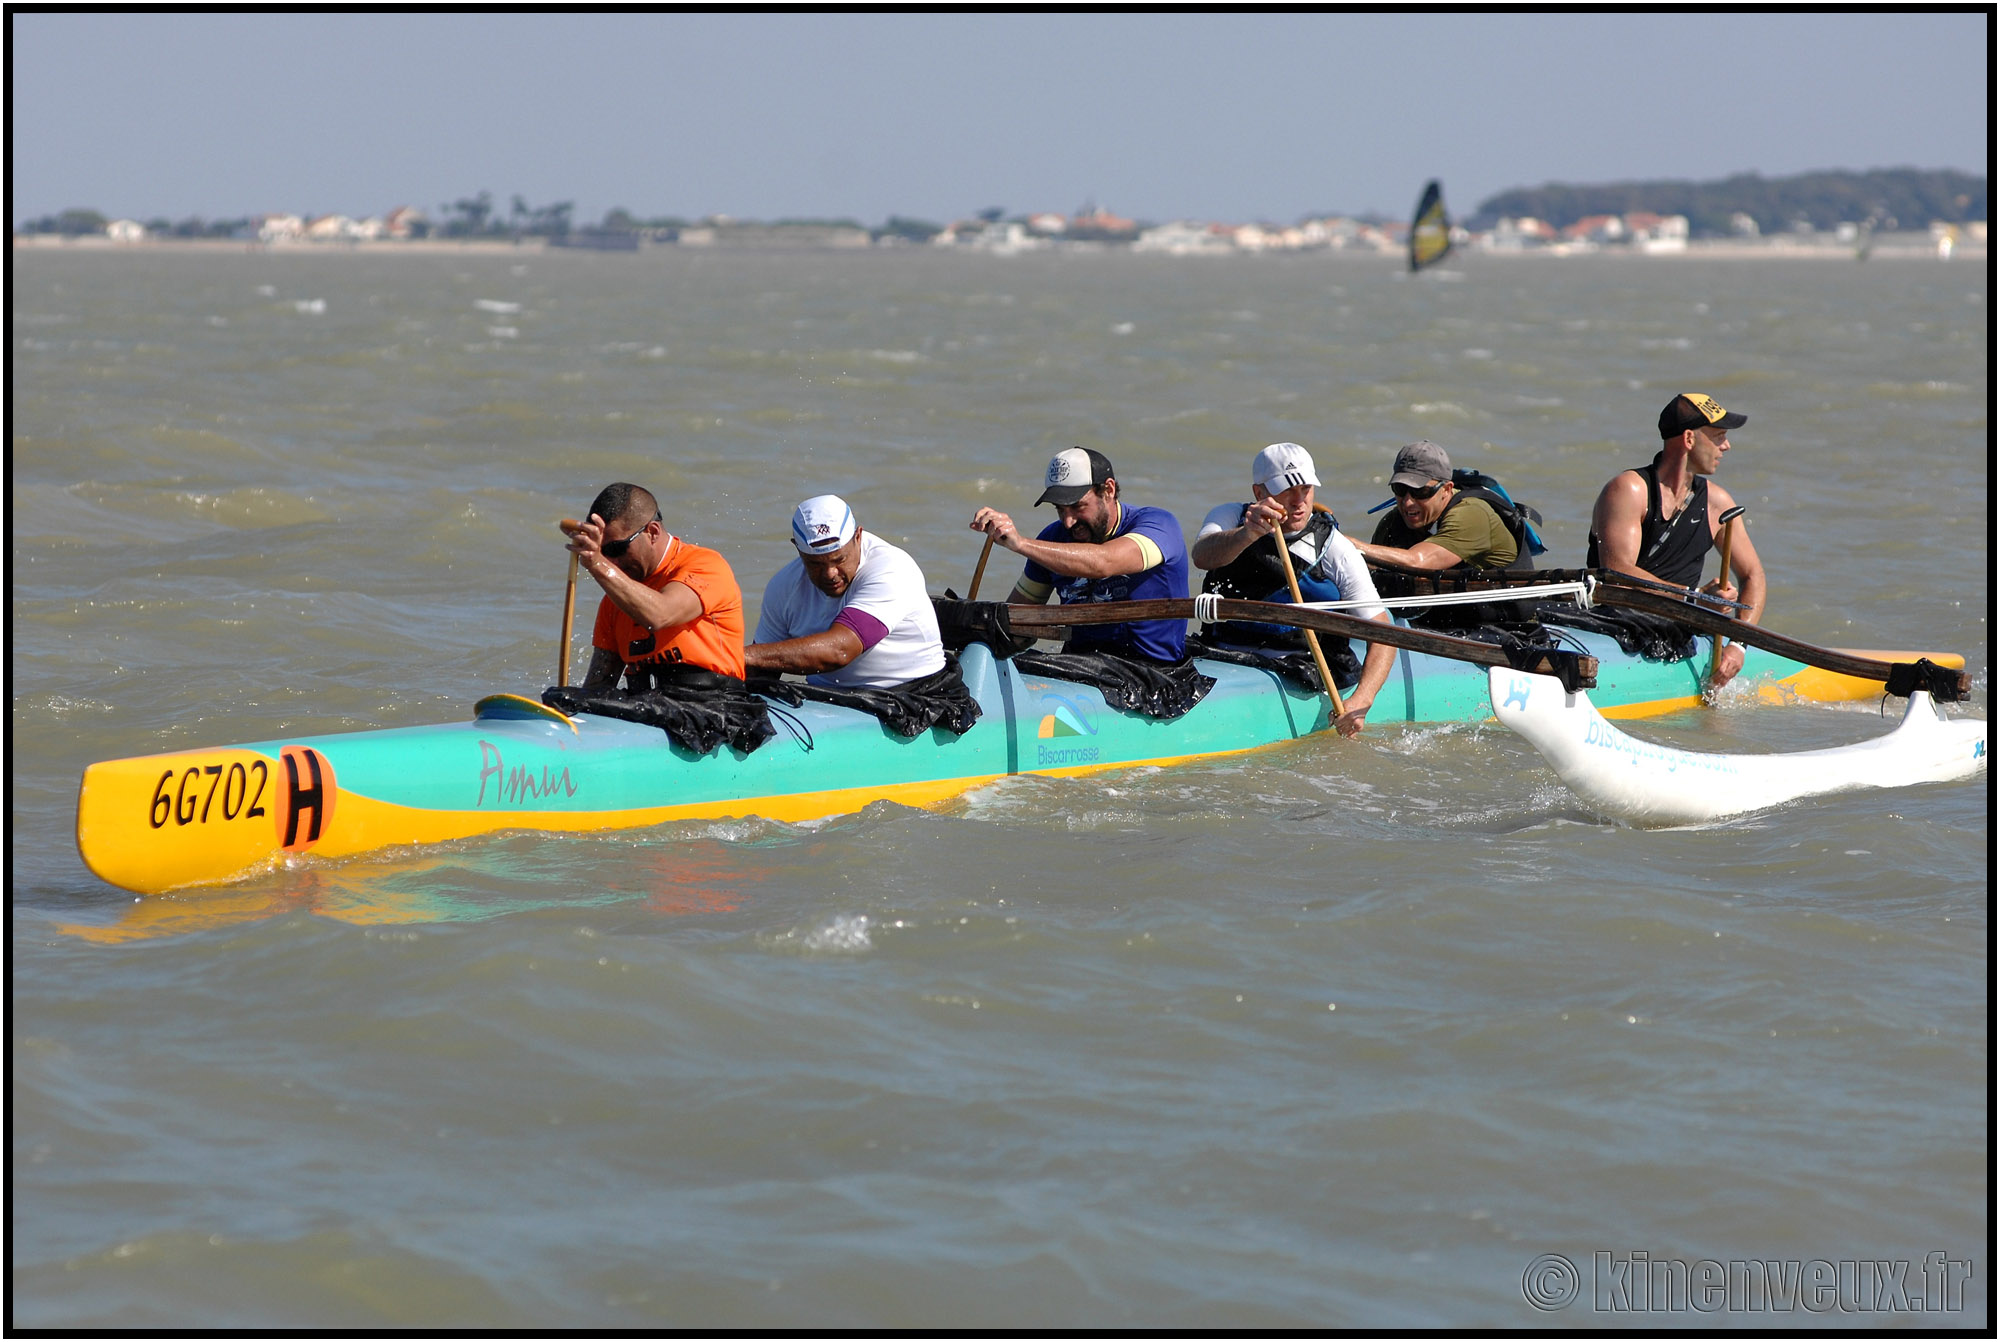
x: 277, y: 227
x: 1186, y: 237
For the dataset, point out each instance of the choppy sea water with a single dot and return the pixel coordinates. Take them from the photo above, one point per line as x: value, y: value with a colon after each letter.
x: 1330, y: 1034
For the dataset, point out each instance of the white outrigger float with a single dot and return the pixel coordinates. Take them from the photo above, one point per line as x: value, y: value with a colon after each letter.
x: 1616, y: 775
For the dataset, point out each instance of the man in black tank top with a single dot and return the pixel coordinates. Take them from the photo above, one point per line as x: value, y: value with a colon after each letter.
x: 1658, y: 521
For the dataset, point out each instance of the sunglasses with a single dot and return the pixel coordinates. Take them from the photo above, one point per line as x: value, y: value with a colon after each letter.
x: 617, y: 549
x: 1411, y: 492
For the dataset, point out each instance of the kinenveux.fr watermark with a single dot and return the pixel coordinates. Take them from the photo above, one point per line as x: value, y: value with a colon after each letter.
x: 1639, y: 1283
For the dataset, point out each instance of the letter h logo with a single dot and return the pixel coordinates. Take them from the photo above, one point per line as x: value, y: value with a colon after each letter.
x: 308, y: 786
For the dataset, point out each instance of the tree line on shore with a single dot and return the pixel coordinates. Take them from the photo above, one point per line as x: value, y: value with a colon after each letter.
x: 1815, y: 200
x: 1819, y: 200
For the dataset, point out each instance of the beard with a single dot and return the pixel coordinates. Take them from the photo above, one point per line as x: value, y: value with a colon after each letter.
x: 1085, y: 533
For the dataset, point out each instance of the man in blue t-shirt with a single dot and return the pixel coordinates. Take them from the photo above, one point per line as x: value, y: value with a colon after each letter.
x: 1099, y: 549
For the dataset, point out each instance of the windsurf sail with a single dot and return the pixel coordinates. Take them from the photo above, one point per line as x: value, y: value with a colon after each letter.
x: 1430, y: 229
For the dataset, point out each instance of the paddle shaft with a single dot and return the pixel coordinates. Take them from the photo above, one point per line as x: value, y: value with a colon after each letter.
x: 1029, y: 618
x: 1728, y: 520
x: 568, y: 621
x: 1675, y: 603
x: 1756, y: 636
x: 568, y: 525
x: 1424, y: 581
x: 1312, y: 639
x: 985, y: 553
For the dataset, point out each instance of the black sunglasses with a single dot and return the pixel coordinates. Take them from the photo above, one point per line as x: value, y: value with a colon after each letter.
x: 617, y: 549
x: 1412, y: 492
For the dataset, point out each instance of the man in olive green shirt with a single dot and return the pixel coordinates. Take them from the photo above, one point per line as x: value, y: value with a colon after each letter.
x: 1433, y: 526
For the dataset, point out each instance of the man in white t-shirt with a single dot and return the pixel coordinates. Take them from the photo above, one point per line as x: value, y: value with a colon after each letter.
x: 1236, y: 548
x: 850, y: 611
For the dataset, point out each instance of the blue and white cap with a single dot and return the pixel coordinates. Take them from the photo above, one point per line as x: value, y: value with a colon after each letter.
x: 1283, y: 466
x: 822, y: 524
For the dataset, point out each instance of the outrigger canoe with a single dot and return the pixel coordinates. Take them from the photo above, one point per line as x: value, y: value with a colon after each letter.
x: 1651, y: 784
x: 160, y: 822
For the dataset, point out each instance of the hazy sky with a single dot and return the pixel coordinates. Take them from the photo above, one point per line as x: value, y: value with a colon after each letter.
x: 1214, y: 116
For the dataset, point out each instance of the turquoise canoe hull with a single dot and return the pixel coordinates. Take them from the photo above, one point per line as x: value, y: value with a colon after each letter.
x: 161, y: 822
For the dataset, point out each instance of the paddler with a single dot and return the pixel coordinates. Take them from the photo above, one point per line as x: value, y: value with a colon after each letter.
x: 1237, y: 548
x: 668, y: 603
x: 1436, y: 525
x: 849, y: 610
x: 1099, y: 548
x: 1659, y: 520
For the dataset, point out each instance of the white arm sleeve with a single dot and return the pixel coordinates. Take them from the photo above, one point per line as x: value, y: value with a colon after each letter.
x: 1223, y: 517
x: 1350, y: 571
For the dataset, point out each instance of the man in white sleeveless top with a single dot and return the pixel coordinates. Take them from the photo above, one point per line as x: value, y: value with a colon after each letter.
x: 851, y: 611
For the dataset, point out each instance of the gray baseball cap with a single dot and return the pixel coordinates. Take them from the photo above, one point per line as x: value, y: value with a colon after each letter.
x: 1419, y: 463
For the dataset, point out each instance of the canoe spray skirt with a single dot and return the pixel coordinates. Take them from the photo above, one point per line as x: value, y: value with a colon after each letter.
x: 699, y: 709
x: 940, y: 699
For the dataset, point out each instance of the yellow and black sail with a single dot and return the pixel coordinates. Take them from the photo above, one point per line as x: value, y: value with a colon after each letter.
x: 1430, y: 229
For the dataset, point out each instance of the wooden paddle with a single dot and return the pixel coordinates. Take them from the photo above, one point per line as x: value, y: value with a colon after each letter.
x: 568, y: 525
x: 1312, y: 639
x: 980, y: 571
x: 1033, y: 619
x: 1683, y: 605
x: 1726, y: 524
x: 1426, y: 581
x: 1633, y: 593
x: 1722, y: 524
x: 1703, y: 621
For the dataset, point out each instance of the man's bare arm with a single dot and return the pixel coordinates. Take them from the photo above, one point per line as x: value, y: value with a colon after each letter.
x: 807, y: 655
x: 670, y: 608
x: 674, y: 605
x: 1617, y: 522
x: 1423, y: 555
x: 1375, y: 668
x: 1121, y: 554
x: 1222, y: 547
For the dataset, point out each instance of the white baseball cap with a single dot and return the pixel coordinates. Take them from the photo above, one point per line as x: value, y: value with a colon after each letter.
x: 822, y: 524
x: 1283, y: 466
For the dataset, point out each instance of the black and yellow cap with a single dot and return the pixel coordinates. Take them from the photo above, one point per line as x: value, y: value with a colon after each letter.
x: 1697, y: 410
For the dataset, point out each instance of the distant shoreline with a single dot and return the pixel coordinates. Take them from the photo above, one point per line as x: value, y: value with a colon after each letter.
x: 396, y: 246
x: 1913, y: 246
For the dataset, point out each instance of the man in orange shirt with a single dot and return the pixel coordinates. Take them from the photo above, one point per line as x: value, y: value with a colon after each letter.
x: 667, y: 603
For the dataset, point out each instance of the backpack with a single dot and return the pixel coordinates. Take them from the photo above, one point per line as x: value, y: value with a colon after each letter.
x: 1518, y: 518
